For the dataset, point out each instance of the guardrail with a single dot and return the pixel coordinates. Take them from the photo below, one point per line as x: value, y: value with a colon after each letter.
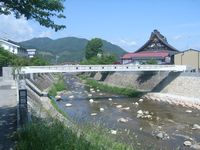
x: 98, y: 68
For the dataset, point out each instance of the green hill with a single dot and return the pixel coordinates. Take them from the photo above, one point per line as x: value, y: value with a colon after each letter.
x: 68, y: 49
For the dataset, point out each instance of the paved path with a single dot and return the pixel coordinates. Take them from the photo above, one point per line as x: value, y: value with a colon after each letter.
x: 8, y: 114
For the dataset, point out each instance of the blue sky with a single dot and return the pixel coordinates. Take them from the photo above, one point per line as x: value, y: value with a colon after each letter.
x: 127, y: 23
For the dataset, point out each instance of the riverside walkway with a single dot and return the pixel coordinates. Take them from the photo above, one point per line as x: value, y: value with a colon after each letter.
x: 8, y: 114
x: 99, y: 68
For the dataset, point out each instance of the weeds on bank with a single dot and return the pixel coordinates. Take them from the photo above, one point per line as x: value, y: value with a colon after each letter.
x: 56, y: 87
x: 50, y: 136
x: 42, y: 135
x: 57, y: 108
x: 112, y: 89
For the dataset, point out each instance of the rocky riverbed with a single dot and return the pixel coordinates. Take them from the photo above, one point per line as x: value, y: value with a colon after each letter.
x: 148, y: 124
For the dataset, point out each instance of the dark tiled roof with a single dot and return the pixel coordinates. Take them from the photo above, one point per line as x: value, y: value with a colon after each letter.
x: 162, y: 39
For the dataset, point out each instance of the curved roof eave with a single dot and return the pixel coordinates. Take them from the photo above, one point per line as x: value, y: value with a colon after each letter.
x: 163, y: 42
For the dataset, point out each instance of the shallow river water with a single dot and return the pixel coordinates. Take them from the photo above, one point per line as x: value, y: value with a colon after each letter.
x: 174, y: 123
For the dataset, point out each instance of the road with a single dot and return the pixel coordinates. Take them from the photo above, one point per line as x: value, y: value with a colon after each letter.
x: 8, y: 114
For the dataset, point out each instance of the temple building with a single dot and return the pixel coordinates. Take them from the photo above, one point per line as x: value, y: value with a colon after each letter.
x: 156, y: 48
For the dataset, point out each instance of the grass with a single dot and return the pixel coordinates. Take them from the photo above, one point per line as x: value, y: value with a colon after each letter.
x: 42, y: 135
x: 56, y: 87
x: 101, y: 137
x: 57, y: 108
x: 112, y: 89
x: 54, y: 136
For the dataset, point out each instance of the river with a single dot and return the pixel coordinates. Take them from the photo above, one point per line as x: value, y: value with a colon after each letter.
x: 164, y: 127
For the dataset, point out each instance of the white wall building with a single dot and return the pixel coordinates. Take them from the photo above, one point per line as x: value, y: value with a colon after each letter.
x: 11, y: 47
x: 31, y: 52
x: 16, y: 49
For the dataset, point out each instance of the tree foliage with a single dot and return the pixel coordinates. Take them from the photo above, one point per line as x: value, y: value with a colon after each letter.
x: 104, y: 59
x: 93, y: 48
x: 151, y: 62
x: 41, y: 11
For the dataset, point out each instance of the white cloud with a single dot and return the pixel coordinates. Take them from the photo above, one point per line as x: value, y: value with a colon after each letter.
x: 45, y: 34
x: 177, y: 37
x: 127, y: 43
x: 15, y: 29
x: 180, y: 37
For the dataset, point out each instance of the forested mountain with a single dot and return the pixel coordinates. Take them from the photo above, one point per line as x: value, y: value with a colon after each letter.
x: 68, y: 49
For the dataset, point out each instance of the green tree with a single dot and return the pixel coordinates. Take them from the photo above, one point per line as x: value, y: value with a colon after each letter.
x: 42, y: 11
x: 37, y: 61
x: 151, y: 62
x: 6, y: 57
x: 104, y: 59
x: 93, y: 48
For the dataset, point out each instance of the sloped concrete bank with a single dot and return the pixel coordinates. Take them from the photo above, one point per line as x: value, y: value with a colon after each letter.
x: 171, y: 87
x: 40, y: 106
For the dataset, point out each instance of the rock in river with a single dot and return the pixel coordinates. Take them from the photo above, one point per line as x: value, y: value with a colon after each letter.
x: 68, y: 105
x: 113, y: 132
x: 136, y: 103
x: 58, y: 97
x: 89, y: 95
x: 140, y: 112
x: 162, y: 135
x: 93, y: 114
x: 141, y: 100
x: 91, y: 100
x: 126, y: 108
x: 122, y: 120
x: 110, y: 99
x: 196, y: 126
x: 72, y: 96
x: 188, y: 111
x: 187, y: 143
x: 101, y: 109
x: 119, y: 106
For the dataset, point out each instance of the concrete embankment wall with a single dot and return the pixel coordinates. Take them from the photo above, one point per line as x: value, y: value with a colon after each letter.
x: 174, y: 87
x: 186, y: 84
x: 40, y: 106
x: 144, y: 81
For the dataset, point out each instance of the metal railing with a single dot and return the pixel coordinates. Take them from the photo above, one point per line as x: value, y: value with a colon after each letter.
x: 99, y: 68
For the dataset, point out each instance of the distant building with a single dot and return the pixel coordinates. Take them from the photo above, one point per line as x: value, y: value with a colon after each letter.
x: 190, y: 58
x: 156, y: 48
x: 31, y: 52
x: 15, y: 48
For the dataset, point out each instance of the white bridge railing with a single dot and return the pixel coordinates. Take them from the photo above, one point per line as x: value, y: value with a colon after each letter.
x: 99, y: 68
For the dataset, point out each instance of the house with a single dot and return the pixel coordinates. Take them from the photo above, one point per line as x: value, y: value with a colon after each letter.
x: 190, y: 58
x: 156, y: 48
x: 31, y: 52
x: 15, y: 48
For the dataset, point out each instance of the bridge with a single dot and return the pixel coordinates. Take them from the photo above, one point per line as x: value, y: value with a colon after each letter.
x: 100, y: 68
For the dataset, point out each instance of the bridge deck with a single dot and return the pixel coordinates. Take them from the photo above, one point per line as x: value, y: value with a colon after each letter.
x: 99, y: 68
